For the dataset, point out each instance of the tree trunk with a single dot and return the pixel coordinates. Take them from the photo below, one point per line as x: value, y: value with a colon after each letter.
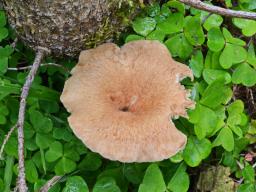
x: 68, y: 26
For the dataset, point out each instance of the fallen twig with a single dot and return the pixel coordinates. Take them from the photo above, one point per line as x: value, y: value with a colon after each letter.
x: 219, y: 10
x: 50, y: 184
x: 14, y: 127
x: 7, y: 137
x: 25, y: 90
x: 42, y: 65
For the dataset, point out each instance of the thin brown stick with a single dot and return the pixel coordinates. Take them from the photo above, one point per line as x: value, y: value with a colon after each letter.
x: 7, y: 137
x: 219, y: 10
x: 22, y: 186
x: 42, y: 65
x: 50, y: 184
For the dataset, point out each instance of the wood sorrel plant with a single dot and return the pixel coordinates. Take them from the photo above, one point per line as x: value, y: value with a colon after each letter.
x: 220, y: 52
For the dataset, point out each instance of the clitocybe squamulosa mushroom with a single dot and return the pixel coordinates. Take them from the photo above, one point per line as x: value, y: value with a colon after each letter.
x: 122, y: 101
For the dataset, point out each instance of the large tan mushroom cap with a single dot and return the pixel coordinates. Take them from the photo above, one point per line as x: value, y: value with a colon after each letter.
x: 122, y: 101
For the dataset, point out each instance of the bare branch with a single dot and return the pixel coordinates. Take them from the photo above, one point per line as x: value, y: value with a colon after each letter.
x: 24, y: 93
x: 42, y: 65
x: 7, y: 137
x: 219, y: 10
x: 50, y: 184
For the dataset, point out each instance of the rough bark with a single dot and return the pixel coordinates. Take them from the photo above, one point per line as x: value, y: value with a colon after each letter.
x: 68, y: 26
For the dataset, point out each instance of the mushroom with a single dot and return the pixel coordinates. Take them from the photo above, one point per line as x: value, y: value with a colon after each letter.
x: 122, y: 101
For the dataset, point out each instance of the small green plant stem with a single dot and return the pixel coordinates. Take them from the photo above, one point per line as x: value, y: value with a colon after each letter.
x: 43, y: 159
x: 8, y: 172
